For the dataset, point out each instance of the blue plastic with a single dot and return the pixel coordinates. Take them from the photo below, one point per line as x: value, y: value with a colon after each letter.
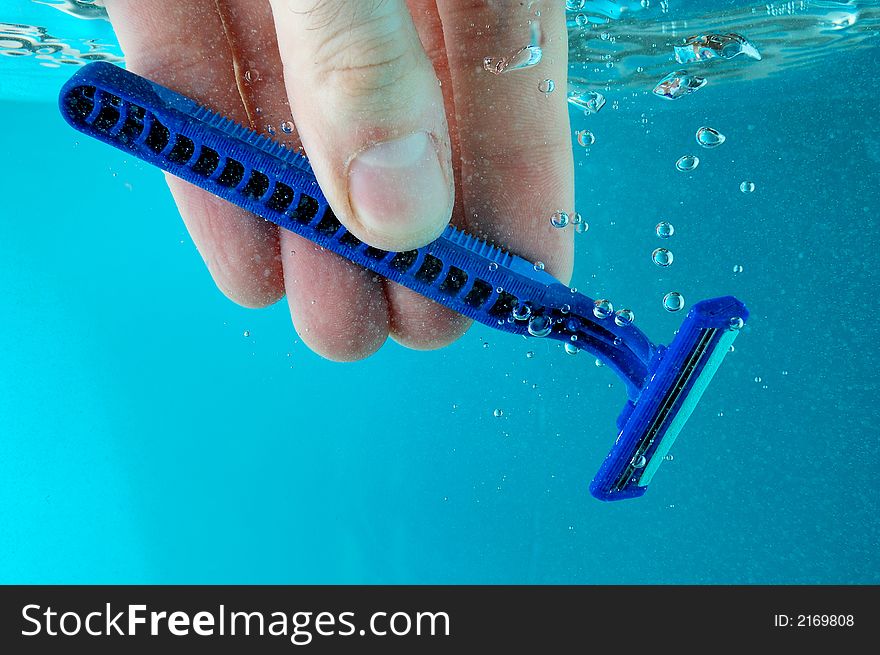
x: 472, y: 277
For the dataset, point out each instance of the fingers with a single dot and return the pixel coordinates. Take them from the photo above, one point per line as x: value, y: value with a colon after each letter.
x: 370, y: 113
x: 417, y: 322
x: 159, y: 39
x: 338, y: 310
x: 516, y: 155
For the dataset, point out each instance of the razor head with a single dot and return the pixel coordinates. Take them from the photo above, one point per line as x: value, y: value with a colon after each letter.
x: 677, y: 378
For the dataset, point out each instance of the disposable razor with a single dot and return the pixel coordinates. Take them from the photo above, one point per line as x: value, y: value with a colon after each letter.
x: 482, y: 281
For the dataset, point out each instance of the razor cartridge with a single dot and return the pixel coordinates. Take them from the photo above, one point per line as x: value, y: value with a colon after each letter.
x: 475, y: 278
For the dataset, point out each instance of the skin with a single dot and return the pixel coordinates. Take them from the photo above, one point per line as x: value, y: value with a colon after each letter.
x: 352, y: 76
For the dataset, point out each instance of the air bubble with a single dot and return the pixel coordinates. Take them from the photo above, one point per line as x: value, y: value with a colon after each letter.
x: 590, y: 102
x: 664, y: 229
x: 673, y: 301
x: 624, y: 317
x: 498, y: 413
x: 521, y: 311
x: 575, y: 5
x: 662, y: 257
x: 638, y: 462
x: 246, y: 333
x: 687, y: 163
x: 585, y: 138
x: 571, y: 349
x: 493, y: 266
x: 547, y: 86
x: 747, y: 187
x: 709, y: 137
x: 736, y: 323
x: 287, y: 127
x: 540, y: 326
x: 603, y: 308
x: 737, y: 268
x: 530, y: 354
x: 270, y: 130
x: 559, y: 220
x: 539, y: 266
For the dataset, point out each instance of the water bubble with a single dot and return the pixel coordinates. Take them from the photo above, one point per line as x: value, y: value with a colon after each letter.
x: 590, y: 102
x: 530, y: 354
x: 712, y: 46
x: 736, y: 323
x: 664, y: 229
x: 709, y: 137
x: 287, y: 127
x: 565, y: 308
x: 498, y: 413
x: 571, y: 349
x: 645, y: 4
x: 539, y: 266
x: 737, y: 268
x: 585, y: 138
x: 662, y: 257
x: 599, y: 363
x: 525, y: 57
x: 638, y: 462
x: 603, y: 308
x: 493, y: 266
x: 673, y: 301
x: 678, y: 84
x: 521, y: 311
x: 540, y: 326
x: 747, y: 187
x: 547, y: 86
x: 270, y: 130
x: 580, y: 20
x: 246, y: 333
x: 757, y: 378
x: 624, y: 317
x: 668, y: 458
x: 581, y: 227
x: 559, y: 220
x: 575, y: 5
x: 251, y: 76
x: 687, y: 163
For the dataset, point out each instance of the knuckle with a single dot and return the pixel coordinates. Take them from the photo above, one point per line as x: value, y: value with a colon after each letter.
x: 364, y: 57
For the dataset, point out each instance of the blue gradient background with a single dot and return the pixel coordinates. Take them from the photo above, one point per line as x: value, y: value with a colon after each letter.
x: 144, y: 439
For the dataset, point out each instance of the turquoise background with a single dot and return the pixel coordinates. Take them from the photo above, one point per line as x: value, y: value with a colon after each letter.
x: 145, y: 439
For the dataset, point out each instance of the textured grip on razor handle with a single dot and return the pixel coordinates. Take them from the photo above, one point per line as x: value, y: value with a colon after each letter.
x: 458, y: 270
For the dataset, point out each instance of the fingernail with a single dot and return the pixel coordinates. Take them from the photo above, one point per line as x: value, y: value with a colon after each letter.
x: 399, y: 191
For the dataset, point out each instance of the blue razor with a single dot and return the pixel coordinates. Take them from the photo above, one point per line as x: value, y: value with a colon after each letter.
x: 475, y: 278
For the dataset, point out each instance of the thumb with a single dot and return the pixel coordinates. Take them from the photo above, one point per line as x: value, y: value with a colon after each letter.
x: 369, y: 109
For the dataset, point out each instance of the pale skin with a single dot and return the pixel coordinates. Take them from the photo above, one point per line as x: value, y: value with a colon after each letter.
x: 405, y: 132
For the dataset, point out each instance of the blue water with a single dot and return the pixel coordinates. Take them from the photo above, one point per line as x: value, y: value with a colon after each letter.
x: 145, y: 439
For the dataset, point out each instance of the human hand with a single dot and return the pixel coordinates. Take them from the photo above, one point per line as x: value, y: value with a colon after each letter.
x: 404, y: 130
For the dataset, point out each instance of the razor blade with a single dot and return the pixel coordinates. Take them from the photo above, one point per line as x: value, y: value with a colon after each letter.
x: 477, y: 279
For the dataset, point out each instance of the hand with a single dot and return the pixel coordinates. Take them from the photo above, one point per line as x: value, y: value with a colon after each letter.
x: 404, y: 130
